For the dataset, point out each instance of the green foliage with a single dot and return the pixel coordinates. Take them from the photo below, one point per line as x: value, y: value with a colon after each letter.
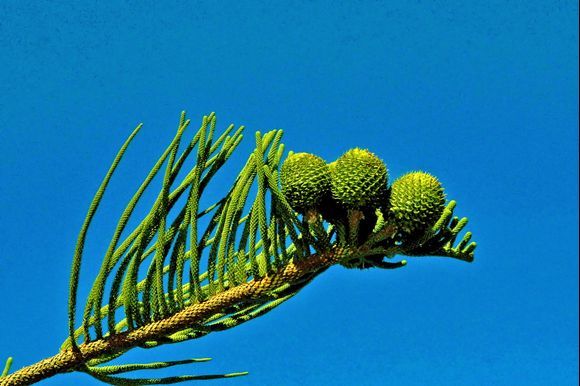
x: 240, y: 241
x: 6, y: 367
x: 107, y: 374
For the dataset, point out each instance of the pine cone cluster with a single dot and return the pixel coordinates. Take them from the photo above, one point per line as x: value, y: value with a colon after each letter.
x: 358, y: 181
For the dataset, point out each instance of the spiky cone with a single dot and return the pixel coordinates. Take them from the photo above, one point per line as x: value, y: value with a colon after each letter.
x: 305, y: 180
x: 417, y: 201
x: 359, y: 180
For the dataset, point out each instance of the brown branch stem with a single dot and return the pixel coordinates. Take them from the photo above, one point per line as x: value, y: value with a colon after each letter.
x: 69, y: 360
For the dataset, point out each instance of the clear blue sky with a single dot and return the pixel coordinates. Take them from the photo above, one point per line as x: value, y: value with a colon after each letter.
x: 482, y: 94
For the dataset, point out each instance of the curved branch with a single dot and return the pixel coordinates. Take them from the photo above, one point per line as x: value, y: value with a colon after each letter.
x: 70, y: 360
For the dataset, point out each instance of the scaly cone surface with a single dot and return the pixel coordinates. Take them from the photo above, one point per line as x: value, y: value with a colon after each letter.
x: 359, y: 180
x: 417, y: 201
x: 305, y: 180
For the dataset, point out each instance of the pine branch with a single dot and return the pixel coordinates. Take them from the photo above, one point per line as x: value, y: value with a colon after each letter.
x: 185, y: 271
x: 70, y: 359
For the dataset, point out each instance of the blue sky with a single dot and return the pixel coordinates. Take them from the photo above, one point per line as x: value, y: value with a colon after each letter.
x: 482, y: 94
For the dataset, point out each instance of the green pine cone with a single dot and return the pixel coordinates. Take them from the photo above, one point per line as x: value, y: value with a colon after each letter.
x: 417, y: 201
x: 305, y: 180
x: 359, y: 180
